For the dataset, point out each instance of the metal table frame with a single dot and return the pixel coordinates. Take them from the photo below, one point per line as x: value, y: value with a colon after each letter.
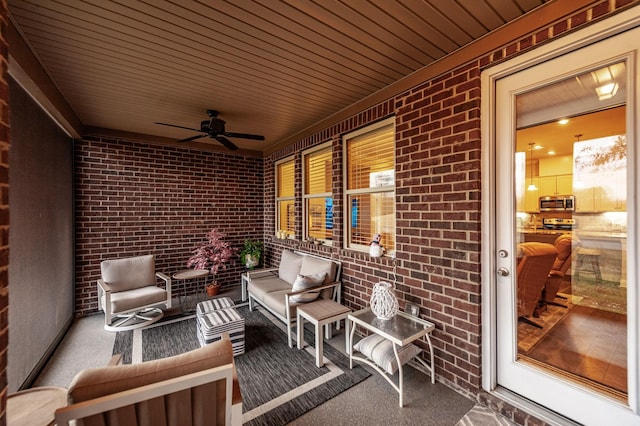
x: 400, y: 330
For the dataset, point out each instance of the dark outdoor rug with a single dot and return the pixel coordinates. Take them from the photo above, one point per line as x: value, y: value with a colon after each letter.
x: 278, y: 383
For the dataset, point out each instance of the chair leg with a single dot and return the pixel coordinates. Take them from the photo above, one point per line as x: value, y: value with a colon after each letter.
x: 141, y: 318
x: 530, y: 322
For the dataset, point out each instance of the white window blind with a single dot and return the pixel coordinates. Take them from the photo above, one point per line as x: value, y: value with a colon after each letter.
x: 318, y: 199
x: 285, y: 202
x: 370, y: 186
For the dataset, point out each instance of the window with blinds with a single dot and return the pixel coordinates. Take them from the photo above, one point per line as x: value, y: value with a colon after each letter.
x: 317, y: 193
x: 370, y: 186
x: 285, y: 201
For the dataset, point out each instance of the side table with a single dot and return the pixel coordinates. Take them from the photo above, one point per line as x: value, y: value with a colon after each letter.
x: 401, y: 330
x: 36, y: 406
x: 321, y: 313
x: 190, y: 274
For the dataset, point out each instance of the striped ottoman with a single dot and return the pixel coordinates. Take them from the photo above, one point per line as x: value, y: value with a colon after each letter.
x: 214, y: 305
x: 211, y: 325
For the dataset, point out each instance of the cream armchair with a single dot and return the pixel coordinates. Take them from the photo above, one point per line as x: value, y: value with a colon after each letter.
x: 129, y: 295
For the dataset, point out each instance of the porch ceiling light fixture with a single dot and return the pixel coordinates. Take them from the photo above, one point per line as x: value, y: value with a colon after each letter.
x: 606, y: 87
x: 532, y: 186
x: 606, y: 91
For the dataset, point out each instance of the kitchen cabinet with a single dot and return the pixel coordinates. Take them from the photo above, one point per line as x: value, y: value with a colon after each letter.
x: 531, y: 197
x: 555, y: 185
x: 583, y: 191
x: 601, y: 192
x: 610, y: 192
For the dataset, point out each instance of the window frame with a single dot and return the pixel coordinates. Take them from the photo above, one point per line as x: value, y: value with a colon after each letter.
x: 327, y: 146
x: 279, y: 199
x: 347, y: 233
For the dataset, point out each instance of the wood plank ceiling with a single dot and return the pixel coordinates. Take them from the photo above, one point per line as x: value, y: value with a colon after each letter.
x: 269, y: 67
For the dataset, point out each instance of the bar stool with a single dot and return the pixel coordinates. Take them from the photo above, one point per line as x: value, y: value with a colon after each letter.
x: 588, y: 260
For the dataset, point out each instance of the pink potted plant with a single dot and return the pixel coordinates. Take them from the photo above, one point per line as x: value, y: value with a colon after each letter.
x: 214, y: 255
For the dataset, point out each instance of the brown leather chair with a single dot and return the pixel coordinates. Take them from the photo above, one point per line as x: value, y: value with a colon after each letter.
x: 536, y: 260
x: 566, y: 245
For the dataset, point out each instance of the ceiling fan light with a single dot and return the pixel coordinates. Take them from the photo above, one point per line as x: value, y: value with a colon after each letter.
x: 606, y: 91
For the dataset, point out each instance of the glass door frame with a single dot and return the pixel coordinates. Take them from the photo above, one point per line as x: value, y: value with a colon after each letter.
x: 615, y: 25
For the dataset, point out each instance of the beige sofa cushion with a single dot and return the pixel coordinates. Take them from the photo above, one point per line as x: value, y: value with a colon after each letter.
x: 129, y: 273
x: 133, y: 299
x: 259, y: 287
x: 290, y: 266
x: 312, y: 265
x: 275, y: 301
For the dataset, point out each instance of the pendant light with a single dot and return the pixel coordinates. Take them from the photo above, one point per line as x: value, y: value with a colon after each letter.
x: 531, y: 186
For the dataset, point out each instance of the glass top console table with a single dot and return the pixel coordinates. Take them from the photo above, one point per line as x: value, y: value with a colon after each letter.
x: 401, y: 330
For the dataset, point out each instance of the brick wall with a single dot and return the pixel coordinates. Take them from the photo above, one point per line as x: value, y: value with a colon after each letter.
x: 438, y: 204
x: 134, y: 198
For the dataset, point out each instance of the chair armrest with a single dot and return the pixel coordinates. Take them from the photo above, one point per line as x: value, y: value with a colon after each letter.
x: 104, y: 286
x: 167, y: 281
x: 164, y: 277
x: 261, y: 273
x: 555, y: 274
x: 115, y: 360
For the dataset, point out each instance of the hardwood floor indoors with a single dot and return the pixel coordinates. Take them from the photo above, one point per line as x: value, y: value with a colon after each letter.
x: 588, y: 344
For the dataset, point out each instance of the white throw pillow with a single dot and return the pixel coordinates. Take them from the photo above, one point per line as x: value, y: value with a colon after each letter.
x: 380, y: 350
x: 304, y: 282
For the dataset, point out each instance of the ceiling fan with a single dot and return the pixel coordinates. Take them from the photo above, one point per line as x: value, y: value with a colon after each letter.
x: 214, y: 128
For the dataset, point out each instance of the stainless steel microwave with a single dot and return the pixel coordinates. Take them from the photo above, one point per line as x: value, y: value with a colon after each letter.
x: 557, y: 203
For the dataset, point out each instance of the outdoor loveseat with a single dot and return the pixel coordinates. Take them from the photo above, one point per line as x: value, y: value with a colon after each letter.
x: 300, y: 278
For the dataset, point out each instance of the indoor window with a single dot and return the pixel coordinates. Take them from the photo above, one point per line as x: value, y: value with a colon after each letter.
x: 285, y: 198
x: 317, y: 194
x: 370, y: 186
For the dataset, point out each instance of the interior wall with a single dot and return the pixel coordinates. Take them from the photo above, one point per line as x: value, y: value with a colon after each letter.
x: 41, y: 258
x: 134, y: 198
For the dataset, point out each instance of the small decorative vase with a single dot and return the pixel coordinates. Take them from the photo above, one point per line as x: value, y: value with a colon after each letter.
x: 384, y: 303
x: 251, y: 261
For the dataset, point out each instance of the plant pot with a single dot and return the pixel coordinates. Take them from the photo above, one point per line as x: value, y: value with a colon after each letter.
x: 213, y: 289
x: 251, y: 261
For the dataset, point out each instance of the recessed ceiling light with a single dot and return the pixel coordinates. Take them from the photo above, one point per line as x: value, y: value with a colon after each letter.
x: 551, y: 153
x: 563, y: 121
x: 606, y: 91
x: 538, y: 147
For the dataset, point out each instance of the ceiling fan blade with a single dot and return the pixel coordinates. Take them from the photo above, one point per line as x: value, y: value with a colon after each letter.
x: 179, y: 127
x: 226, y: 142
x: 244, y: 136
x: 191, y: 138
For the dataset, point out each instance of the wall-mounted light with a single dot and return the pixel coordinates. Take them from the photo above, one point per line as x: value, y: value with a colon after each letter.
x: 532, y: 186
